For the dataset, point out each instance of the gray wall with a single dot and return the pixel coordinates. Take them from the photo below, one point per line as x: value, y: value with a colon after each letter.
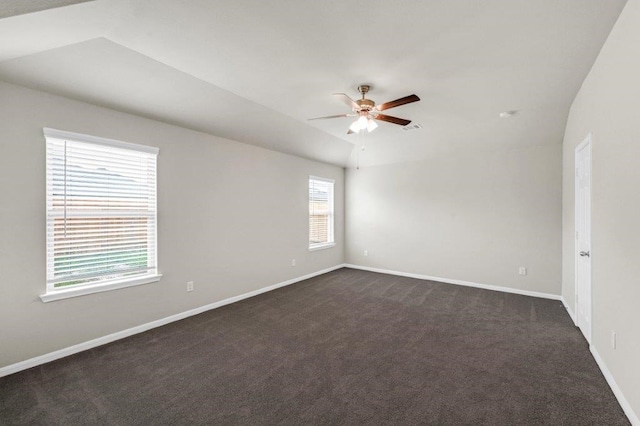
x: 608, y: 106
x: 231, y: 217
x: 474, y: 217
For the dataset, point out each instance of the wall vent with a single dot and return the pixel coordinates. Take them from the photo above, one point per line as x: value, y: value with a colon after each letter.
x: 411, y: 126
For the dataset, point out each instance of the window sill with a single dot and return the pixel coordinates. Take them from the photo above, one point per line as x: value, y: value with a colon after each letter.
x: 98, y: 288
x: 322, y: 246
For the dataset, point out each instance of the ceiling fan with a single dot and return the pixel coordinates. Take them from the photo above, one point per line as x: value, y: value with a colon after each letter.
x: 367, y: 111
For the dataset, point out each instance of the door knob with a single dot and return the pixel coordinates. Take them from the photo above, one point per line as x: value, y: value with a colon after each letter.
x: 584, y: 253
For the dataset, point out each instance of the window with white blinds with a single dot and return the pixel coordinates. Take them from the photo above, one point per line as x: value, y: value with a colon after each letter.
x: 320, y: 212
x: 101, y: 211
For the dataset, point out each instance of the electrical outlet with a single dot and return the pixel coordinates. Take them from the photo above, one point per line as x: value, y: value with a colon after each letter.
x: 522, y: 270
x: 189, y: 285
x: 613, y: 339
x: 366, y: 252
x: 293, y: 262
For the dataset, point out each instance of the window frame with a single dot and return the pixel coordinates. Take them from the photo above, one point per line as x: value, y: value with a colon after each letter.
x: 331, y: 225
x: 52, y: 293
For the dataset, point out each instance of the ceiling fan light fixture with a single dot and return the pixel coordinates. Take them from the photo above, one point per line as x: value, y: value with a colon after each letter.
x: 372, y: 125
x: 363, y: 121
x: 355, y: 126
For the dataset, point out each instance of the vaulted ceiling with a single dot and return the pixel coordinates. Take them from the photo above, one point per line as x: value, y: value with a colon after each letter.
x: 256, y: 71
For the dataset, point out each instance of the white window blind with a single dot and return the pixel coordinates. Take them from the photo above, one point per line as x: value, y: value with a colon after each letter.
x: 320, y: 212
x: 101, y: 210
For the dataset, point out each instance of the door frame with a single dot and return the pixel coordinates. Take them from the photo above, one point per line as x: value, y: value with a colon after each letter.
x: 586, y: 142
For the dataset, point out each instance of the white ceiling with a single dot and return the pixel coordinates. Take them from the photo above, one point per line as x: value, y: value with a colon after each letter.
x: 255, y: 71
x: 19, y: 7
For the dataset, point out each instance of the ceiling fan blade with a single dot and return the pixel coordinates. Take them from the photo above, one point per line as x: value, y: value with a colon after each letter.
x: 332, y: 116
x: 391, y: 119
x: 347, y: 100
x: 397, y: 102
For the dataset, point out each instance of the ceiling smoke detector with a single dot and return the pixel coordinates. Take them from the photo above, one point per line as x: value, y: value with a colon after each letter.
x: 508, y: 114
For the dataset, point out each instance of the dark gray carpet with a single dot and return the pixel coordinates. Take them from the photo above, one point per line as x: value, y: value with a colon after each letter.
x: 348, y: 347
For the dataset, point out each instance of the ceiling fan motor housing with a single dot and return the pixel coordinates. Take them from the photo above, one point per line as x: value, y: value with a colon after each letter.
x: 366, y: 104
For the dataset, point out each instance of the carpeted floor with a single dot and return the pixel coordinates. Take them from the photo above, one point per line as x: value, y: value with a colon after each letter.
x: 345, y: 348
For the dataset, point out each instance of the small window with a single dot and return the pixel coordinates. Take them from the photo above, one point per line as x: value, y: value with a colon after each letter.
x: 320, y: 213
x: 101, y: 214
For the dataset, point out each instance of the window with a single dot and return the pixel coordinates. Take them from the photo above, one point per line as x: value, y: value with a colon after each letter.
x: 101, y: 214
x: 320, y: 213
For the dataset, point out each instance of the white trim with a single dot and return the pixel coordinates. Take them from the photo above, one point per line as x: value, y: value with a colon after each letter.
x: 626, y: 407
x: 52, y: 356
x: 79, y: 137
x: 321, y: 179
x: 321, y: 246
x: 458, y: 282
x: 570, y: 311
x: 67, y: 293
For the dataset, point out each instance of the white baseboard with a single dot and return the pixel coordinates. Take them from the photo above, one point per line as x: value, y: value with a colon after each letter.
x: 52, y: 356
x: 633, y: 418
x: 570, y: 311
x: 458, y: 282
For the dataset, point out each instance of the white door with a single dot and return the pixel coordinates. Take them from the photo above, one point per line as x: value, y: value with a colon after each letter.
x: 583, y: 237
